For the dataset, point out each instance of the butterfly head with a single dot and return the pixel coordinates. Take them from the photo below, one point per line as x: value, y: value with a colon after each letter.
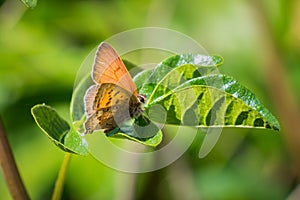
x: 138, y: 108
x: 142, y: 98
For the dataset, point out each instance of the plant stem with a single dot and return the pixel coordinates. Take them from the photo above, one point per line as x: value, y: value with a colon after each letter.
x: 9, y: 167
x: 280, y: 87
x: 58, y: 189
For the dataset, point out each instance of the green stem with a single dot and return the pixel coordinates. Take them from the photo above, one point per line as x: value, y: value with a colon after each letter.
x: 10, y: 170
x: 57, y: 193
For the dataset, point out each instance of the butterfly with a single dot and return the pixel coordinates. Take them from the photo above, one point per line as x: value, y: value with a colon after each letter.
x: 113, y: 99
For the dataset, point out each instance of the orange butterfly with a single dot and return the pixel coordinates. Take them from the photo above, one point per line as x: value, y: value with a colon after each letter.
x: 114, y: 98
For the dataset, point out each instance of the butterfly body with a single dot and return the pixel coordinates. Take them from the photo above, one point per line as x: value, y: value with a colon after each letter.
x: 114, y: 98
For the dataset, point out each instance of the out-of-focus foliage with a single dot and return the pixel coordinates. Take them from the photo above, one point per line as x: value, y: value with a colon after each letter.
x: 42, y: 48
x: 30, y: 3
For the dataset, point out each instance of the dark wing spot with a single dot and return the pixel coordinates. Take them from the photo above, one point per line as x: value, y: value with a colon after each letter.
x: 108, y: 103
x: 117, y: 93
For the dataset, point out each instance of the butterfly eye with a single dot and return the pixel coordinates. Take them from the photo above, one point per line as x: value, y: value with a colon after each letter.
x: 142, y: 98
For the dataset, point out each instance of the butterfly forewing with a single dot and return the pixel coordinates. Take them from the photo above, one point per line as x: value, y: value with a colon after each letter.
x: 109, y: 68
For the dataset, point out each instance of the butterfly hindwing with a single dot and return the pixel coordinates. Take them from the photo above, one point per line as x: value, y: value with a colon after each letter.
x: 108, y: 105
x: 89, y: 99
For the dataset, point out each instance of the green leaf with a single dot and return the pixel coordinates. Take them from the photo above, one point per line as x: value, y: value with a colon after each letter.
x: 215, y: 100
x: 173, y: 79
x: 141, y: 81
x: 76, y: 142
x: 140, y: 130
x: 152, y: 142
x: 147, y: 80
x: 131, y: 134
x: 30, y: 3
x: 58, y: 130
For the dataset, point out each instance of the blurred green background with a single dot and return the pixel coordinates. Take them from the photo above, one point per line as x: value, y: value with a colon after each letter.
x: 41, y: 50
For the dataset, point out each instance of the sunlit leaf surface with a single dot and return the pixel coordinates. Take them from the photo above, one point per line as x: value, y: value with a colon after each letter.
x: 58, y: 130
